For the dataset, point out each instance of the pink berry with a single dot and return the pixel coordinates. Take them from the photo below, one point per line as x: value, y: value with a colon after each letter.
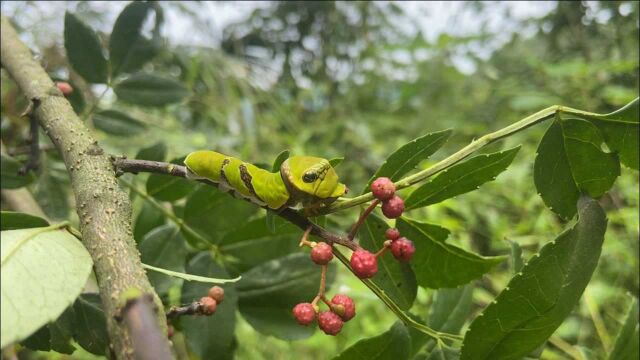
x: 364, y: 264
x: 321, y: 254
x: 383, y: 188
x: 304, y: 313
x: 403, y: 249
x: 392, y: 233
x: 349, y: 308
x: 217, y: 294
x: 65, y: 88
x: 393, y: 207
x: 209, y: 305
x: 330, y: 323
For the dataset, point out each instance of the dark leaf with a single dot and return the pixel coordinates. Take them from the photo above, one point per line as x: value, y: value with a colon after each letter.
x: 409, y: 155
x: 537, y: 300
x: 438, y: 264
x: 396, y: 278
x: 84, y: 50
x: 284, y: 155
x: 450, y: 309
x: 394, y: 344
x: 148, y: 218
x: 9, y: 174
x: 89, y: 324
x: 461, y: 178
x: 163, y: 247
x: 128, y: 48
x: 155, y: 152
x: 626, y: 345
x: 51, y: 195
x: 209, y: 337
x: 570, y: 161
x: 269, y: 291
x: 150, y: 90
x: 117, y: 123
x: 12, y: 220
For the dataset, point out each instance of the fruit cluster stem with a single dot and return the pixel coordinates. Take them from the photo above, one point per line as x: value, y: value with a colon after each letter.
x: 362, y: 218
x: 321, y: 288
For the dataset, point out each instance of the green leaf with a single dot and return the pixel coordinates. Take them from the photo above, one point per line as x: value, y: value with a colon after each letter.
x: 409, y: 155
x: 394, y: 344
x: 443, y: 353
x: 84, y: 50
x: 11, y: 220
x: 537, y: 300
x: 155, y: 152
x: 150, y: 90
x: 90, y: 324
x: 51, y: 195
x: 284, y: 155
x: 148, y: 218
x: 9, y: 178
x: 461, y: 178
x: 40, y: 340
x: 253, y: 243
x: 626, y: 346
x: 117, y: 123
x: 169, y: 188
x: 438, y: 264
x: 336, y: 161
x: 269, y: 291
x: 516, y: 256
x: 450, y: 309
x: 61, y: 333
x: 128, y: 48
x: 570, y: 161
x: 38, y: 265
x: 163, y: 247
x: 621, y: 131
x: 209, y: 337
x: 396, y: 278
x: 212, y: 213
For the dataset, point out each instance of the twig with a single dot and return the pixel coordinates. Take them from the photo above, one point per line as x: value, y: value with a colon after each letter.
x: 34, y: 150
x: 195, y: 308
x: 321, y: 288
x: 361, y: 219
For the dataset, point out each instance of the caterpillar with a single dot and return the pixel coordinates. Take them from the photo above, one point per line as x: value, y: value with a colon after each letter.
x: 306, y: 180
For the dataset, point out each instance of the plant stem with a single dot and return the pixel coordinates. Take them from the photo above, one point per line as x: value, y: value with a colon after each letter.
x: 361, y: 219
x: 457, y: 156
x: 321, y: 288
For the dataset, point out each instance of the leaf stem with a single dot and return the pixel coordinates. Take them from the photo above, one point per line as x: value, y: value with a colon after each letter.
x: 362, y: 218
x: 457, y: 156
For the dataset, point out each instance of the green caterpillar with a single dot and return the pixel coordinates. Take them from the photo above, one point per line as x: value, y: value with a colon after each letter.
x: 308, y: 180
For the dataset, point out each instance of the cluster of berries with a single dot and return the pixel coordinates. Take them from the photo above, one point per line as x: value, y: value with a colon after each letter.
x: 342, y: 309
x: 363, y: 263
x: 209, y: 303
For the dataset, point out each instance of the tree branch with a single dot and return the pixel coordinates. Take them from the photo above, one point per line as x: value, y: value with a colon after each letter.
x: 103, y: 208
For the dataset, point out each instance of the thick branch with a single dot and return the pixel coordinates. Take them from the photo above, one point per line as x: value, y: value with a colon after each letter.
x: 103, y: 208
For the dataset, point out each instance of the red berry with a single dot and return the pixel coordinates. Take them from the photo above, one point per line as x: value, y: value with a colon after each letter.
x: 170, y: 331
x: 364, y: 264
x: 322, y: 253
x: 330, y: 323
x: 349, y: 308
x: 403, y: 249
x: 393, y: 207
x: 383, y: 188
x: 217, y: 294
x: 209, y: 305
x: 304, y: 313
x: 392, y: 233
x: 64, y: 87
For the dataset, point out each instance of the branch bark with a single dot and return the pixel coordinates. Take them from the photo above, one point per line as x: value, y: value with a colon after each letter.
x: 103, y: 208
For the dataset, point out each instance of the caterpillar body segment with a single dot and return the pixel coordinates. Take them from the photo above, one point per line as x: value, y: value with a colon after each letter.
x: 302, y: 179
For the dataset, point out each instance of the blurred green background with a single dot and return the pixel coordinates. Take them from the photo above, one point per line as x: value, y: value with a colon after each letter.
x: 359, y: 79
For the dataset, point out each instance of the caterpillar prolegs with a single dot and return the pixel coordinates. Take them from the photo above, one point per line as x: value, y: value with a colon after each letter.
x: 308, y: 180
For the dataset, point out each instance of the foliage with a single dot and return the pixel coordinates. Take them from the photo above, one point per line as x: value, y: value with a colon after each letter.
x: 340, y: 89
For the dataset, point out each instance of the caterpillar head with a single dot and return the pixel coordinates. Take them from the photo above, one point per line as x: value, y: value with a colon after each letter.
x: 313, y: 178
